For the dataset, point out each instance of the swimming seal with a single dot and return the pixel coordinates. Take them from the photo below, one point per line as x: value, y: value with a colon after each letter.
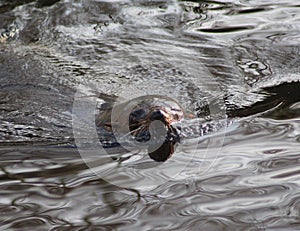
x: 136, y: 117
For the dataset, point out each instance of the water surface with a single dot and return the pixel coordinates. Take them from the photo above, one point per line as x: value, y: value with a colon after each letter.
x: 239, y: 57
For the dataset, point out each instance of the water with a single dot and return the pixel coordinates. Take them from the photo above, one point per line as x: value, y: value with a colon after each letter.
x: 233, y: 63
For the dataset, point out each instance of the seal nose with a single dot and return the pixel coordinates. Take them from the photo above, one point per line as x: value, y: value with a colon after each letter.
x: 157, y: 115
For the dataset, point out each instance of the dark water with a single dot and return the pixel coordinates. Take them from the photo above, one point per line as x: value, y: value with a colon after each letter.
x: 234, y: 63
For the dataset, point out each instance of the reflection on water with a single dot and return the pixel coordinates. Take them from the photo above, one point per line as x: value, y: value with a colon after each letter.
x: 239, y: 56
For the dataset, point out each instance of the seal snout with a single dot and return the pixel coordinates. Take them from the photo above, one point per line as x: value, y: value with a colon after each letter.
x: 157, y: 115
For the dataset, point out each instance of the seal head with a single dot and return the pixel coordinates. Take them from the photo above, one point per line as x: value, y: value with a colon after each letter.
x: 151, y: 119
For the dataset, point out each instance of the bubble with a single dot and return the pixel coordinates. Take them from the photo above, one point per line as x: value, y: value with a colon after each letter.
x: 160, y: 115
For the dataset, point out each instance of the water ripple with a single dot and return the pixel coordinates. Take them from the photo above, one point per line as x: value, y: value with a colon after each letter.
x: 251, y: 49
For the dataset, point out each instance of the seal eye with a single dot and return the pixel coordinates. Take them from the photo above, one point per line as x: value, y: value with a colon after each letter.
x: 157, y: 115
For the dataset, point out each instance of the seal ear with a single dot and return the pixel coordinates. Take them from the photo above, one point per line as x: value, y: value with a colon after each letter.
x: 164, y: 152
